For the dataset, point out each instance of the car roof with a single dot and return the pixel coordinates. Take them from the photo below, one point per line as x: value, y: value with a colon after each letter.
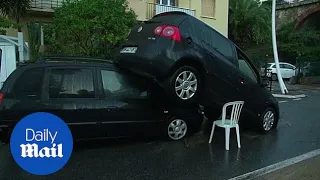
x: 172, y: 17
x: 70, y: 61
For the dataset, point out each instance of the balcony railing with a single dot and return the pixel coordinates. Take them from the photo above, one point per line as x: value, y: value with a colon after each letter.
x: 46, y: 4
x: 154, y: 9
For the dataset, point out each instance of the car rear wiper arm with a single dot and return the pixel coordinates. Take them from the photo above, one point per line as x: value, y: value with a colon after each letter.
x: 150, y: 22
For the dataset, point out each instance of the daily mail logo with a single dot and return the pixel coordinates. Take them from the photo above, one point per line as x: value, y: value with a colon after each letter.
x: 41, y: 143
x: 32, y: 150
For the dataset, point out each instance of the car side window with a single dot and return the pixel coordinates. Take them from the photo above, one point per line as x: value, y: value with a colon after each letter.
x: 246, y: 68
x: 117, y: 85
x: 287, y: 66
x: 222, y: 45
x: 29, y: 84
x: 71, y: 83
x: 217, y: 42
x: 282, y: 66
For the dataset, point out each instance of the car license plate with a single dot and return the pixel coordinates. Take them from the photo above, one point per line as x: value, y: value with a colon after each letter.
x: 129, y: 50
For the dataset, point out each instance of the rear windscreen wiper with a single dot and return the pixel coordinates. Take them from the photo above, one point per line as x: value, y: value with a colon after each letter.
x: 150, y: 22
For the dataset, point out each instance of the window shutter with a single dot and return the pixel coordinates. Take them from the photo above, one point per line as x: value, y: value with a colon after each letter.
x: 208, y: 8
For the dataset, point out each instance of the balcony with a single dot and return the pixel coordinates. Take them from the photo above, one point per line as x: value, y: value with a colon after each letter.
x: 154, y: 9
x: 45, y: 5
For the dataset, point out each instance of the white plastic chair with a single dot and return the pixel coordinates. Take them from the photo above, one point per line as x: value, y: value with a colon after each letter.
x: 229, y: 123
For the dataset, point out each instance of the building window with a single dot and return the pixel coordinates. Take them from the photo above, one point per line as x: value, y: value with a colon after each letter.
x: 167, y: 2
x: 208, y: 8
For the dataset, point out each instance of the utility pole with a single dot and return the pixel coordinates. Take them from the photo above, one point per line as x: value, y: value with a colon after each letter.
x: 283, y: 87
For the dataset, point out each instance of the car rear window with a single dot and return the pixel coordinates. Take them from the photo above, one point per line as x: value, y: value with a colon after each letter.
x: 174, y: 19
x: 29, y: 84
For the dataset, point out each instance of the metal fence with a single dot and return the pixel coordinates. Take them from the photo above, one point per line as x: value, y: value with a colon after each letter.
x: 154, y: 9
x: 309, y: 69
x: 46, y: 4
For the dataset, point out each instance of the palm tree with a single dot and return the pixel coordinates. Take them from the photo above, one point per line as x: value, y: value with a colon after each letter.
x: 249, y: 22
x: 14, y: 9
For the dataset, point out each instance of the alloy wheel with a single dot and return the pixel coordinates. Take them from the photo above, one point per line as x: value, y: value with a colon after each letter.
x: 186, y: 85
x: 268, y: 120
x: 177, y: 129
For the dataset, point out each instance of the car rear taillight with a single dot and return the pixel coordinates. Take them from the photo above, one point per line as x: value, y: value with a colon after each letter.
x: 171, y: 32
x: 1, y: 97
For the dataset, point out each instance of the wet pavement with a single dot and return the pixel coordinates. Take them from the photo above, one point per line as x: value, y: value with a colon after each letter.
x: 297, y: 133
x: 306, y: 170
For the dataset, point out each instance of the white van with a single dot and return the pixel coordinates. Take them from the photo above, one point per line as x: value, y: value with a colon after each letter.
x: 9, y: 56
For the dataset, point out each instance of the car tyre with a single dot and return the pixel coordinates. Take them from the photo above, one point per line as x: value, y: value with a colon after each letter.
x: 185, y: 84
x: 268, y: 120
x: 274, y: 77
x: 176, y: 129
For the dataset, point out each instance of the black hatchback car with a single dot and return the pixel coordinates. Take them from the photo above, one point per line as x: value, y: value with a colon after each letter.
x: 95, y: 98
x: 195, y: 63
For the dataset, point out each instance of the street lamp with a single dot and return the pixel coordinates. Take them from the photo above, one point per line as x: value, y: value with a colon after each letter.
x: 283, y: 87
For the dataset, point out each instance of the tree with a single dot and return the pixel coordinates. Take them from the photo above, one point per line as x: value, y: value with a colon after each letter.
x: 249, y: 22
x: 14, y: 9
x: 89, y: 27
x: 302, y: 43
x: 6, y: 23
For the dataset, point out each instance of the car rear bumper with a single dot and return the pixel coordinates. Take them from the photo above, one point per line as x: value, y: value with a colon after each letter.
x: 150, y: 65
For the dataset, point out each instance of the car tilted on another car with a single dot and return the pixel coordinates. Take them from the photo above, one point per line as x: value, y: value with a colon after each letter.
x: 194, y: 63
x: 95, y: 98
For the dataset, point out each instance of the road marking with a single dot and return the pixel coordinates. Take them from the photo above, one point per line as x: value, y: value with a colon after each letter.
x: 282, y: 101
x: 289, y: 96
x: 277, y: 166
x: 297, y: 99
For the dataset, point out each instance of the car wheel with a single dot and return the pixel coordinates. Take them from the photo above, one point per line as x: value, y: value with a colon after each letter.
x: 274, y: 77
x: 176, y: 129
x: 268, y: 120
x: 185, y: 84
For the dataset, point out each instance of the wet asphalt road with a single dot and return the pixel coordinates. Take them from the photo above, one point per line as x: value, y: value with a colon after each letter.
x: 306, y: 170
x: 297, y: 133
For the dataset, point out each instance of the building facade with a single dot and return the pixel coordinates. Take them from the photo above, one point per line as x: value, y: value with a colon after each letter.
x: 212, y: 12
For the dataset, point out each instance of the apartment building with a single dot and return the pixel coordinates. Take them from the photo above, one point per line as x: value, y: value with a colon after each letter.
x: 41, y: 11
x: 212, y: 12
